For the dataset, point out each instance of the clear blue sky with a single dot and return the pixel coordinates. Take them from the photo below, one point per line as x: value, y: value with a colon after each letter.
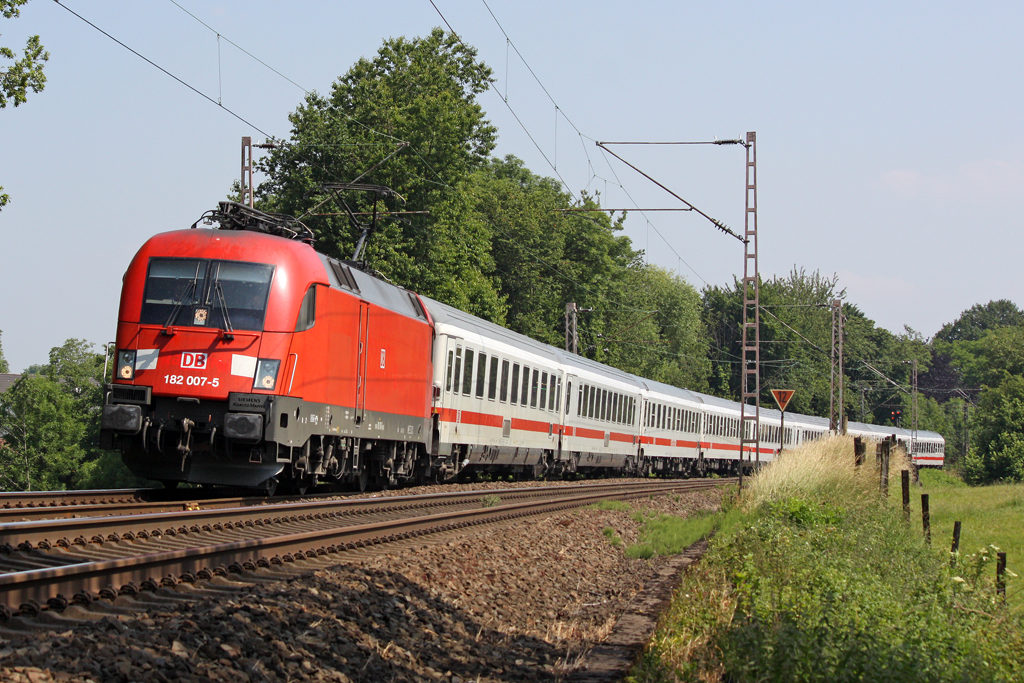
x: 888, y: 145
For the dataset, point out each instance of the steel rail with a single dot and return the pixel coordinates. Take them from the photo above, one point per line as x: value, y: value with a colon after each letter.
x: 29, y: 589
x: 51, y: 499
x: 112, y: 527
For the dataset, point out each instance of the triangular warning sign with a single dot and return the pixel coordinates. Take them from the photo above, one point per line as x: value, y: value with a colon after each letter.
x: 782, y: 397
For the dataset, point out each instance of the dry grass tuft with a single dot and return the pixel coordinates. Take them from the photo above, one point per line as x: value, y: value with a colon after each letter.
x: 825, y: 470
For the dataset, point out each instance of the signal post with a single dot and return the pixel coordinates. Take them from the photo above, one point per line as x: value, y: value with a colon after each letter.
x: 782, y: 398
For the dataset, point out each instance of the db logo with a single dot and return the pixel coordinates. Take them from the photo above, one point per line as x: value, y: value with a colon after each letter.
x: 194, y: 360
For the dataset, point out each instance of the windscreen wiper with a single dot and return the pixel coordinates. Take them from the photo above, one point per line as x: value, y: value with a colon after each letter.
x: 189, y: 289
x: 222, y: 302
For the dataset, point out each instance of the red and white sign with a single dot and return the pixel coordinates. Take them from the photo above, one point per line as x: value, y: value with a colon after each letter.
x: 194, y: 360
x: 782, y: 397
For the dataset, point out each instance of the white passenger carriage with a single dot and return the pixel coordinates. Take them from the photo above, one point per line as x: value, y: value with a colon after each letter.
x: 505, y: 403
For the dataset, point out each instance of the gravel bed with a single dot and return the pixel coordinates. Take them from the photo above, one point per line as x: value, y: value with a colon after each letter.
x: 521, y: 602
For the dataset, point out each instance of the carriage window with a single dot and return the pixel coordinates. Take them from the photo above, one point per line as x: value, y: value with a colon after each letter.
x: 504, y: 381
x: 525, y: 396
x: 515, y: 384
x: 481, y: 374
x: 458, y: 369
x: 451, y: 365
x: 533, y: 392
x: 581, y: 402
x: 543, y: 391
x: 556, y: 396
x: 467, y: 377
x: 568, y: 395
x: 593, y: 401
x: 492, y: 386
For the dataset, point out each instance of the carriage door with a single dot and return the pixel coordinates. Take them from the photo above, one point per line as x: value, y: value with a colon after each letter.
x: 566, y: 412
x: 453, y: 369
x: 361, y: 354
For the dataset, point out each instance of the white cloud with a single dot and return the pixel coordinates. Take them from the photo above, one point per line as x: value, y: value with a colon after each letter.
x: 975, y: 180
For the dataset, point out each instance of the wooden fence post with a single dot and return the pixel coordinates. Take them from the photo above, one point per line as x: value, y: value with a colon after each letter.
x: 883, y: 470
x: 956, y: 544
x: 906, y: 495
x: 859, y: 450
x: 1001, y: 575
x: 926, y: 520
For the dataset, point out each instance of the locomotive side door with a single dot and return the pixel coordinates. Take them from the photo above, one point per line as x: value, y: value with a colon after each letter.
x: 361, y: 354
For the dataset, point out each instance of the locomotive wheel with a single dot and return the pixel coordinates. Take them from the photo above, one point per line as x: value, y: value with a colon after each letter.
x: 305, y: 484
x: 361, y: 480
x: 270, y: 487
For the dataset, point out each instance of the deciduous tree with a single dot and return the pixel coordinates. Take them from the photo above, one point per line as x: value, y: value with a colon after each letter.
x: 24, y: 74
x: 407, y: 119
x: 4, y: 367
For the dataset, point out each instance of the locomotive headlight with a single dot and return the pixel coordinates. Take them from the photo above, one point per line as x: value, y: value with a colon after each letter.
x: 266, y: 374
x: 126, y: 364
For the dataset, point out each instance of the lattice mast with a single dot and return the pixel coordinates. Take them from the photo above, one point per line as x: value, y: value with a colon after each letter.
x: 835, y: 403
x: 913, y: 410
x: 750, y: 383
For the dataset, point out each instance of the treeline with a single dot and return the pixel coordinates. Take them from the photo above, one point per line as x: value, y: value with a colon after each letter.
x: 490, y: 237
x: 50, y: 422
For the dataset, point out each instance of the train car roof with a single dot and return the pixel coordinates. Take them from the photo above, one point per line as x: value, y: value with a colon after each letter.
x: 445, y: 314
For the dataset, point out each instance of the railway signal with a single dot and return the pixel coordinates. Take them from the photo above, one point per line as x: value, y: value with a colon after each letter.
x: 782, y: 398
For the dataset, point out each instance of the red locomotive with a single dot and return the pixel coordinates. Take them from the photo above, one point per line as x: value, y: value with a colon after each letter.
x: 244, y: 357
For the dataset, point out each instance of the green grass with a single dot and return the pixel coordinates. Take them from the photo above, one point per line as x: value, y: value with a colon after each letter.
x: 670, y: 535
x: 817, y: 577
x: 663, y: 534
x: 613, y: 505
x: 989, y: 515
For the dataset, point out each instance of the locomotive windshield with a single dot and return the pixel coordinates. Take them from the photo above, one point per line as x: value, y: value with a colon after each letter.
x: 229, y: 295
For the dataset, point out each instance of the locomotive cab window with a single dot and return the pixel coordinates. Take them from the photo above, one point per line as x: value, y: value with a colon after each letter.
x: 229, y: 295
x: 307, y: 311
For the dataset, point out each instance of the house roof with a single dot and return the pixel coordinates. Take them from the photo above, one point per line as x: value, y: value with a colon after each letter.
x: 7, y: 381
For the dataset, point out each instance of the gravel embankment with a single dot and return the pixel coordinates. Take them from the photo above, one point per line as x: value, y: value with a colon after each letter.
x: 522, y: 602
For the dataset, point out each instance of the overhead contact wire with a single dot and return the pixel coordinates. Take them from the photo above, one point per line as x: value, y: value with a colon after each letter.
x: 151, y: 62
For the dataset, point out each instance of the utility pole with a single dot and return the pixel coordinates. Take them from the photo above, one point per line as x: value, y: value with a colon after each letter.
x: 913, y: 409
x: 750, y: 381
x: 835, y: 415
x: 965, y: 448
x: 247, y: 191
x: 572, y: 340
x: 246, y: 181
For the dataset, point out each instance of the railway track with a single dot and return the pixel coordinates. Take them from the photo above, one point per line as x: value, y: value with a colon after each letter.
x: 42, y: 562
